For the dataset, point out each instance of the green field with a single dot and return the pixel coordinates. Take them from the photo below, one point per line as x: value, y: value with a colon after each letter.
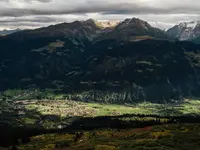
x: 73, y: 108
x: 51, y: 113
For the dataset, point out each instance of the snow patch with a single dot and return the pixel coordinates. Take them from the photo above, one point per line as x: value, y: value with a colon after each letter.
x: 192, y: 24
x: 161, y: 25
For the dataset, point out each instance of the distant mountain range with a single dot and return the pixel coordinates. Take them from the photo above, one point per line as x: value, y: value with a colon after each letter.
x: 7, y: 32
x: 95, y: 30
x: 185, y: 31
x: 118, y: 62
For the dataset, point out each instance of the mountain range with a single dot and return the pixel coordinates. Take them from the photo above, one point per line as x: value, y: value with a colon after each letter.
x: 121, y: 62
x: 185, y: 31
x: 7, y: 32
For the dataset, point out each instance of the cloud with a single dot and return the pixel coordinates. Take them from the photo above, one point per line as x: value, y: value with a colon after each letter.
x: 52, y: 7
x: 46, y: 11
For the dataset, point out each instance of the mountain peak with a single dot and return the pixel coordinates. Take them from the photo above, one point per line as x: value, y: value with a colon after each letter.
x: 134, y: 20
x: 185, y: 30
x: 134, y: 23
x: 90, y: 21
x: 132, y: 28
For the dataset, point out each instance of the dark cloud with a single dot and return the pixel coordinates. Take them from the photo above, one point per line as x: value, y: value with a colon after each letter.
x: 29, y: 1
x: 34, y: 19
x: 49, y: 11
x: 97, y: 7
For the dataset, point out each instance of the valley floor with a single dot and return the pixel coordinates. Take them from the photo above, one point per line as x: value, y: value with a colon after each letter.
x: 50, y: 114
x: 71, y: 125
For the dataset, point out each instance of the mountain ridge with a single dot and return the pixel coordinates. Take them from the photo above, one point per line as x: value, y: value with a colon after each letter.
x: 91, y: 29
x: 132, y: 62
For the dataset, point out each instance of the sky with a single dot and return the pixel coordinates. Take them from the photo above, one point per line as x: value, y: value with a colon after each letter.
x: 38, y: 13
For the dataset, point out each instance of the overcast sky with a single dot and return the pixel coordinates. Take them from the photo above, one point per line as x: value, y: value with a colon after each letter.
x: 37, y: 13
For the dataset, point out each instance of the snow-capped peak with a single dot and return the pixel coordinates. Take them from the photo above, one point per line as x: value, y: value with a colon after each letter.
x: 190, y: 24
x: 185, y: 30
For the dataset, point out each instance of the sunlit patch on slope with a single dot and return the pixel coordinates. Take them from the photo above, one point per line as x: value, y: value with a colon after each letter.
x: 50, y: 47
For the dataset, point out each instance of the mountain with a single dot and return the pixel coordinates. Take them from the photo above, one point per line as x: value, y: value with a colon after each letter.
x: 6, y: 32
x: 131, y: 29
x: 129, y: 63
x: 185, y: 30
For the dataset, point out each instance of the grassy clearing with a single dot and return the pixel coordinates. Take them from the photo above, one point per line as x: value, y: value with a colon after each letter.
x: 72, y: 108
